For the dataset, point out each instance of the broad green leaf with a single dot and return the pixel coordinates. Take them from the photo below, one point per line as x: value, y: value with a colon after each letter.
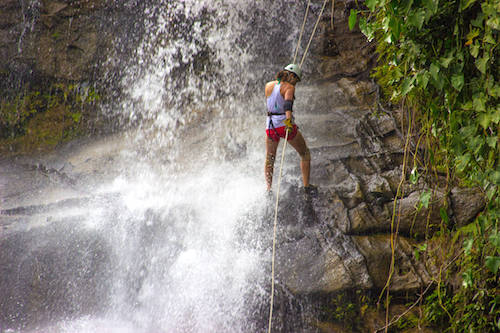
x: 485, y: 120
x: 457, y: 81
x: 495, y: 177
x: 439, y: 82
x: 425, y: 198
x: 414, y: 175
x: 468, y: 245
x: 495, y: 239
x: 494, y: 22
x: 488, y: 38
x: 492, y: 141
x: 478, y: 21
x: 366, y: 28
x: 476, y: 143
x: 445, y: 62
x: 434, y: 70
x: 417, y: 18
x: 479, y: 102
x: 495, y: 115
x: 371, y: 4
x: 464, y: 4
x: 406, y: 6
x: 352, y: 19
x: 481, y: 63
x: 395, y: 25
x: 431, y: 5
x: 474, y: 49
x: 493, y: 263
x: 488, y: 8
x: 407, y: 85
x: 463, y: 161
x: 423, y: 79
x: 494, y: 91
x: 467, y: 106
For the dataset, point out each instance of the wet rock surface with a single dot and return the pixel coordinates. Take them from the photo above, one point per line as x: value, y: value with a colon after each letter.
x: 53, y: 41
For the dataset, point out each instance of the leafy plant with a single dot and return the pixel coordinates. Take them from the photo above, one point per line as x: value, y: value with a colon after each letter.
x: 440, y: 59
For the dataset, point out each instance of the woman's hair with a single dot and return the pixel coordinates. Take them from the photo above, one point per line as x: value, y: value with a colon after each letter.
x: 284, y: 76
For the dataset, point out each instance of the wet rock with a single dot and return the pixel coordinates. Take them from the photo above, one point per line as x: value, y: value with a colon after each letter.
x: 378, y: 189
x: 326, y: 327
x: 53, y: 7
x: 338, y: 214
x: 319, y: 263
x: 408, y: 274
x: 45, y: 277
x: 466, y: 203
x: 414, y: 218
x: 68, y: 54
x: 357, y: 92
x: 362, y: 220
x: 51, y: 40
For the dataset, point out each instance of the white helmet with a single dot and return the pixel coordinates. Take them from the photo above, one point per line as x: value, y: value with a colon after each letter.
x: 295, y: 69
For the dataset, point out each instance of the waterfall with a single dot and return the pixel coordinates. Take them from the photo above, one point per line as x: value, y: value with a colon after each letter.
x: 174, y: 235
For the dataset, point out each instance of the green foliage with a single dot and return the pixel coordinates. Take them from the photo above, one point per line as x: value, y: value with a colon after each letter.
x: 41, y: 119
x: 437, y: 306
x: 346, y: 308
x: 440, y: 58
x: 476, y: 304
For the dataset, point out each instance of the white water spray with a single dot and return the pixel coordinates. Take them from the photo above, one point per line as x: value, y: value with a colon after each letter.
x: 182, y: 222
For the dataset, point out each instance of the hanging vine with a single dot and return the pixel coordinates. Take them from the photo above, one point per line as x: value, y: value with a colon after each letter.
x: 440, y: 58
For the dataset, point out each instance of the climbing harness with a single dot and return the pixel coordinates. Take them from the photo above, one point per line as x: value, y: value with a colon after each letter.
x: 269, y: 114
x: 283, y: 153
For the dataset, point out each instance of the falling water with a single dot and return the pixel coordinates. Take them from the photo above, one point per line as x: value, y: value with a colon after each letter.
x: 173, y: 236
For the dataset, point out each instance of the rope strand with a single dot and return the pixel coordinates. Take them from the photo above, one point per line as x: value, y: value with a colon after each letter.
x: 333, y: 12
x: 283, y: 154
x: 274, y: 233
x: 301, y: 31
x: 312, y: 35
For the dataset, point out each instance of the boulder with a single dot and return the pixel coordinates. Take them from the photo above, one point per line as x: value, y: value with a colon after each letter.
x: 321, y: 263
x: 408, y: 275
x: 466, y: 203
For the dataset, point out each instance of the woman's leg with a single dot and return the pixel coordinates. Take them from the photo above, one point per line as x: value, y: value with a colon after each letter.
x: 300, y: 146
x: 271, y: 147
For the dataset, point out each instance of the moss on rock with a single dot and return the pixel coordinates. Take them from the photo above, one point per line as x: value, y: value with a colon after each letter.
x: 39, y: 120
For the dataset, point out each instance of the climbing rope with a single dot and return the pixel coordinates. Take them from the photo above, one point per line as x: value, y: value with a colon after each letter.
x: 274, y: 232
x: 301, y: 31
x: 283, y: 154
x: 312, y: 35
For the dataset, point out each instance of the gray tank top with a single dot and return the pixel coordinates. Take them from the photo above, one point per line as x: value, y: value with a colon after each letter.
x: 275, y: 104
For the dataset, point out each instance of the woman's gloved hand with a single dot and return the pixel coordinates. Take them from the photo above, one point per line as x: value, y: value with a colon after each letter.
x: 288, y: 124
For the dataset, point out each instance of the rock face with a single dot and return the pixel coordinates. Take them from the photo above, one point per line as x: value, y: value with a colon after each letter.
x: 62, y: 40
x: 357, y: 155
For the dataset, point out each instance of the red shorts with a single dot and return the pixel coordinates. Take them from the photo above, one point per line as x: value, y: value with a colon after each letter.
x: 271, y: 133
